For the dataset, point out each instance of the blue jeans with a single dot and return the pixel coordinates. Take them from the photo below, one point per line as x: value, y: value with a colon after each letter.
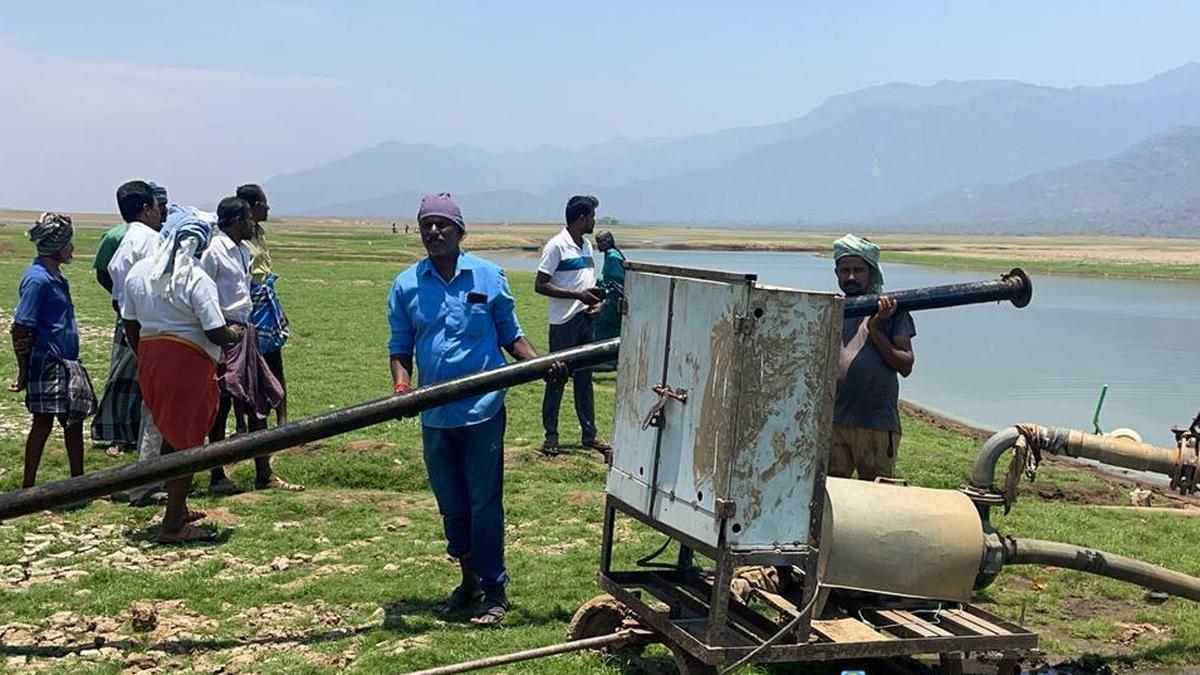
x: 466, y: 472
x: 574, y: 333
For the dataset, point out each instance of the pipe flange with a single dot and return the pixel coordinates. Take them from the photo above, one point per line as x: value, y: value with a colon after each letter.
x: 983, y: 496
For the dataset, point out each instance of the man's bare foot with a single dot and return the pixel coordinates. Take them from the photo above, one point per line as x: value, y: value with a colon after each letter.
x: 152, y: 498
x: 224, y: 487
x: 114, y: 450
x: 186, y: 535
x: 277, y: 483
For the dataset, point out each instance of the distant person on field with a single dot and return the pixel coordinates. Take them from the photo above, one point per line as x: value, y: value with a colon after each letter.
x: 393, y: 228
x: 270, y: 323
x: 866, y: 418
x: 118, y: 420
x: 174, y: 323
x: 451, y: 314
x: 566, y: 274
x: 244, y: 378
x: 612, y: 281
x: 46, y: 343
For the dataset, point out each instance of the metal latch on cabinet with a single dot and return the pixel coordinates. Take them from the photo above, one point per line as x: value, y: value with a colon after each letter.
x: 665, y: 393
x: 745, y: 324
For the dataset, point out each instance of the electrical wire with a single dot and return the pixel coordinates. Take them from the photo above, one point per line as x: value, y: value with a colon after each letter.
x: 745, y: 660
x: 648, y: 561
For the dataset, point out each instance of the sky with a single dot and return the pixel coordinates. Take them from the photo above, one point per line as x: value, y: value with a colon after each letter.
x: 202, y: 96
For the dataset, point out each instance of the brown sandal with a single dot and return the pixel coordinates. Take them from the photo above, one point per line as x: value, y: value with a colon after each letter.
x: 186, y: 535
x: 493, y: 612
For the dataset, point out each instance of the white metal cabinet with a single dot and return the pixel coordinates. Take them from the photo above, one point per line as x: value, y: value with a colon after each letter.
x: 738, y: 462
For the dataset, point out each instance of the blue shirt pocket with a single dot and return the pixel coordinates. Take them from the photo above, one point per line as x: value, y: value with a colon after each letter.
x: 477, y: 319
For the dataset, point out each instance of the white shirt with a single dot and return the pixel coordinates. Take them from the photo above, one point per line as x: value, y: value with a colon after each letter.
x: 228, y: 264
x: 138, y: 243
x: 570, y: 267
x: 164, y: 315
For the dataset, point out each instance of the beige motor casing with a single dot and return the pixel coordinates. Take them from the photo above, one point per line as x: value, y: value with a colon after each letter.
x: 899, y: 540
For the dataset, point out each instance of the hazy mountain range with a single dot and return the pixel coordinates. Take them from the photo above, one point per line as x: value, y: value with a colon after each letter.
x: 995, y: 155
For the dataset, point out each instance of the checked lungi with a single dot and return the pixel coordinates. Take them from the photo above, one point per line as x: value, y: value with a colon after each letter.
x: 58, y: 387
x: 270, y: 323
x: 118, y: 418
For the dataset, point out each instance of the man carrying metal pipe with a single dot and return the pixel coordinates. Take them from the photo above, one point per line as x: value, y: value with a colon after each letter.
x: 454, y: 312
x: 866, y: 418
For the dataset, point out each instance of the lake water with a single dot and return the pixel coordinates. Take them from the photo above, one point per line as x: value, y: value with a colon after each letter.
x: 994, y: 365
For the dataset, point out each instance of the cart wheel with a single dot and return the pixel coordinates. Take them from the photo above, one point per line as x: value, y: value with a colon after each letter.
x: 601, y: 615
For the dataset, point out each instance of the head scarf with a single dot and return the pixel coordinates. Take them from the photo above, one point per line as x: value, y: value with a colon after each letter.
x: 51, y: 233
x: 865, y: 249
x: 160, y: 193
x: 176, y: 255
x: 606, y: 237
x: 442, y: 205
x: 178, y: 213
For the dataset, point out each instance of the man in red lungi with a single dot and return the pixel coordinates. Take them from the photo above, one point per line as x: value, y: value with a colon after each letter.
x: 173, y: 321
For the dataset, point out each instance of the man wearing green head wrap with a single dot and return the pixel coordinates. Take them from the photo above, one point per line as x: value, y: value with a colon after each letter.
x: 866, y: 418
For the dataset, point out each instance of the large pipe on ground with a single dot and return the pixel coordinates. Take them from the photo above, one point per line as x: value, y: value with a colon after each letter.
x: 1014, y: 287
x: 947, y: 546
x: 1175, y: 463
x: 245, y: 446
x: 1054, y: 554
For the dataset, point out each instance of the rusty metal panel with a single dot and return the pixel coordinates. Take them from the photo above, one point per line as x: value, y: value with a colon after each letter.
x: 868, y: 527
x: 786, y: 391
x: 639, y: 369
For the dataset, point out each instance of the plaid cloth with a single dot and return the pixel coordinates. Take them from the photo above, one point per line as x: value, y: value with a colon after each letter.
x: 81, y: 398
x: 119, y: 416
x: 245, y: 376
x: 58, y: 387
x: 267, y: 316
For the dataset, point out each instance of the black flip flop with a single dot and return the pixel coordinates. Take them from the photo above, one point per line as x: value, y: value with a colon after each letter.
x: 460, y: 598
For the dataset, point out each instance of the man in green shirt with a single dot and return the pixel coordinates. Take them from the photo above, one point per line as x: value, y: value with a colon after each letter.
x: 109, y: 242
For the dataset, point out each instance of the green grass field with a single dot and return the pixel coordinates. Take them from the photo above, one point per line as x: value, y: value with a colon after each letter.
x: 343, y: 577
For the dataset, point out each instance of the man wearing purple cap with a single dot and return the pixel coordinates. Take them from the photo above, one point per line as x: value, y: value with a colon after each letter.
x: 454, y: 312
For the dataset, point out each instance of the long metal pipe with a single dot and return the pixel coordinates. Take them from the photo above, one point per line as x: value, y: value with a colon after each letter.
x: 246, y: 446
x: 1014, y: 286
x: 528, y: 654
x: 1114, y: 451
x: 1054, y: 554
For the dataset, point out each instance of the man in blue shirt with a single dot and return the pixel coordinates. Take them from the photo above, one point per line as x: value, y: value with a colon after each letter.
x: 454, y: 312
x: 46, y: 343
